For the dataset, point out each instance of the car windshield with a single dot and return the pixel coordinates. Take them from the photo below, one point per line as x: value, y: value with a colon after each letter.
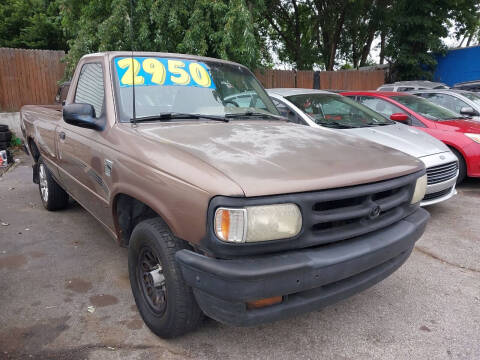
x: 165, y: 86
x: 472, y: 96
x: 426, y: 108
x: 337, y: 111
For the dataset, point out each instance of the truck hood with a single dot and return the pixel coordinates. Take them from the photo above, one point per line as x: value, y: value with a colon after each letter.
x: 402, y: 137
x: 273, y: 157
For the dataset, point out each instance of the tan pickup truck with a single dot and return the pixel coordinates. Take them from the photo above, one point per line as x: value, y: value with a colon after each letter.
x: 226, y: 209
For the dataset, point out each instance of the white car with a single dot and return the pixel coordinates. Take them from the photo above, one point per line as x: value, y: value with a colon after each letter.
x: 319, y: 108
x: 412, y: 85
x: 462, y: 102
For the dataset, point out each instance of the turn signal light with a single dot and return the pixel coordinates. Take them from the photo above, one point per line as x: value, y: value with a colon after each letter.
x: 264, y: 302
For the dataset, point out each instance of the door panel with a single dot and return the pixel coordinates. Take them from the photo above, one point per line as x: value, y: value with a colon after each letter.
x: 82, y: 171
x: 81, y: 151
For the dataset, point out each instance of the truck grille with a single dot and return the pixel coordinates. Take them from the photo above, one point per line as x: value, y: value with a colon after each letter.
x: 328, y: 216
x: 356, y: 211
x: 441, y: 173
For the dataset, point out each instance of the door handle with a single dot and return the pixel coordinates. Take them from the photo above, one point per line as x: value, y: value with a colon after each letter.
x: 61, y: 135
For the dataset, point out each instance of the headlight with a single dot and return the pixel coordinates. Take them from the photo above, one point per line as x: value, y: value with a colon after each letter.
x: 258, y: 223
x: 474, y: 137
x: 420, y: 189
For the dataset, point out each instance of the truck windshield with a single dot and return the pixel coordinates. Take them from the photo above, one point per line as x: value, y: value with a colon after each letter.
x: 337, y: 111
x: 426, y: 108
x: 176, y: 85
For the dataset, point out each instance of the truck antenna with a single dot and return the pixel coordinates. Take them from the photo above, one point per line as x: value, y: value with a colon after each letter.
x: 134, y: 115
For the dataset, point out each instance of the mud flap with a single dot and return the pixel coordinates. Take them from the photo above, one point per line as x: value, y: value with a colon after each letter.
x: 35, y: 173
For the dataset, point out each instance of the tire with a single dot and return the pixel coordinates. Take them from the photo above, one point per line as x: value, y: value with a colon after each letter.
x: 3, y: 128
x: 462, y: 166
x: 52, y: 195
x: 172, y: 310
x: 5, y: 136
x: 9, y: 157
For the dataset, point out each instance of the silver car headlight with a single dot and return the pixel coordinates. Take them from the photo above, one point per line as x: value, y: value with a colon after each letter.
x: 257, y: 223
x: 420, y: 189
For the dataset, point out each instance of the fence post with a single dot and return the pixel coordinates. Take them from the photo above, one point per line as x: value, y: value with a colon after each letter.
x: 316, y: 80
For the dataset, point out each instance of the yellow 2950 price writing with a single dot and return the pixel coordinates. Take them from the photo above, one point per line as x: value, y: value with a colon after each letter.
x: 162, y: 71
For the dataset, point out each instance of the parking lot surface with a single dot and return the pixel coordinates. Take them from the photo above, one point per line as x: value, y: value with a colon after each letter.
x: 65, y: 294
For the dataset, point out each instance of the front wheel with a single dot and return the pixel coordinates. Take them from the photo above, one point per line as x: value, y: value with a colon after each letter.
x: 52, y: 195
x: 166, y: 303
x: 462, y: 166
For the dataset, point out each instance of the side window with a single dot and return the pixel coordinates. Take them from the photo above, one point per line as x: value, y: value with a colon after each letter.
x: 379, y: 105
x: 386, y: 88
x: 386, y: 109
x: 405, y: 88
x: 90, y: 87
x: 285, y: 111
x: 447, y: 101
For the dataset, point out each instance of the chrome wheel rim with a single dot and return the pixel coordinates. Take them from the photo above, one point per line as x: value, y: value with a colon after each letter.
x: 152, y: 281
x: 43, y: 182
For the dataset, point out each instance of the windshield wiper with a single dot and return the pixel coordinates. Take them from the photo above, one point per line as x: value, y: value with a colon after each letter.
x: 175, y: 115
x: 253, y: 114
x: 336, y: 126
x: 376, y: 124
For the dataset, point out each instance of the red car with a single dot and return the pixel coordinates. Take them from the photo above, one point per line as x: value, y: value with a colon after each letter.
x: 460, y: 134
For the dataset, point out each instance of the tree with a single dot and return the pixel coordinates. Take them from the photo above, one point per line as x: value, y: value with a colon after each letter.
x: 220, y: 28
x: 288, y: 26
x: 360, y: 29
x: 33, y: 24
x: 416, y: 32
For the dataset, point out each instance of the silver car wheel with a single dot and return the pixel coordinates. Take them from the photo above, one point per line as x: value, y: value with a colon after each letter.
x: 43, y: 182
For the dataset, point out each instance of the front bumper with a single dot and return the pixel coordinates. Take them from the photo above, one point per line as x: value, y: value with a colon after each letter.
x: 439, y: 191
x: 307, y: 278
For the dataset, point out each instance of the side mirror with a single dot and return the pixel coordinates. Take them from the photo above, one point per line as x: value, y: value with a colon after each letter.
x: 400, y: 117
x: 468, y: 111
x: 82, y: 115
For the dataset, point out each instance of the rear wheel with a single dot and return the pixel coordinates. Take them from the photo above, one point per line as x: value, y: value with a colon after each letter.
x: 166, y: 303
x: 52, y: 195
x: 462, y: 166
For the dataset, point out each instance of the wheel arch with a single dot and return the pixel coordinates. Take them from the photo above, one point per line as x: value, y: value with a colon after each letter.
x: 457, y: 148
x: 128, y: 210
x: 33, y: 148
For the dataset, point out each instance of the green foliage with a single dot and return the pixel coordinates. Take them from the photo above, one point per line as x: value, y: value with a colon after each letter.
x: 33, y: 24
x: 219, y: 28
x: 415, y: 32
x: 361, y: 26
x: 288, y: 26
x: 305, y: 34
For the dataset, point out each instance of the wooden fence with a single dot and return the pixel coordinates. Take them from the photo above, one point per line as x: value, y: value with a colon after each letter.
x: 29, y: 77
x: 332, y: 80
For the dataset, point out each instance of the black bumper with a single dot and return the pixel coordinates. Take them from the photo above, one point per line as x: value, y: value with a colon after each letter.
x: 307, y: 279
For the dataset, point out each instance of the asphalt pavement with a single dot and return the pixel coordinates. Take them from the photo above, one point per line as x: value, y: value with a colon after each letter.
x: 65, y: 294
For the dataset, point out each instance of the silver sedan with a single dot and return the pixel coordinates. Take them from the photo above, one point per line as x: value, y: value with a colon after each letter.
x: 319, y: 108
